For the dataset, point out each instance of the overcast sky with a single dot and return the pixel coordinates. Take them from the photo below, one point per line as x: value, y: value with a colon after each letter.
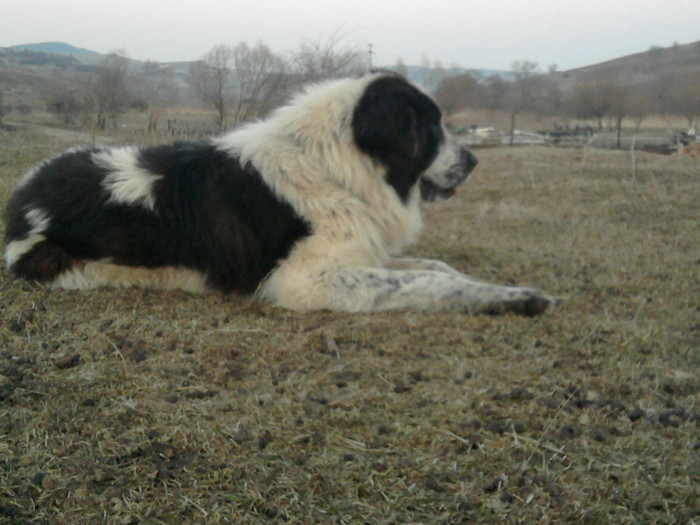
x: 485, y: 34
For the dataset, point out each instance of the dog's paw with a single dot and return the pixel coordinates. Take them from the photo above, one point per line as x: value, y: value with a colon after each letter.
x: 521, y: 301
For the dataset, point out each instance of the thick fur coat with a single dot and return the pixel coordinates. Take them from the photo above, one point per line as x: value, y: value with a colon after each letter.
x: 309, y: 209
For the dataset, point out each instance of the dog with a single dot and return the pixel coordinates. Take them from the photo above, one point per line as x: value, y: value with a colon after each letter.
x: 308, y: 209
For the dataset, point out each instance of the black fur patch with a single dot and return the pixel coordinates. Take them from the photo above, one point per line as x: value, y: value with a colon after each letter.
x: 400, y: 127
x: 237, y: 229
x: 43, y: 262
x: 211, y: 215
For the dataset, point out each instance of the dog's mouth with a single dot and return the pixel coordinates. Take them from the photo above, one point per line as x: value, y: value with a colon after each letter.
x: 431, y: 192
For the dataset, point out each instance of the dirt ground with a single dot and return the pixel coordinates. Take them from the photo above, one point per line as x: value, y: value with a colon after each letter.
x: 132, y: 406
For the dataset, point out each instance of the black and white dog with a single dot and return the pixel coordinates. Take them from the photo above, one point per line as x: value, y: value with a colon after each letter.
x: 308, y: 209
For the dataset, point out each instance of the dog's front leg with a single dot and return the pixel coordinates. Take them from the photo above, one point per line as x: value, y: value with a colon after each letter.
x: 412, y: 263
x: 375, y: 289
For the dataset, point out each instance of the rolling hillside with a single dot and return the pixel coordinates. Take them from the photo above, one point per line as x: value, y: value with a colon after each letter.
x: 85, y: 56
x: 637, y: 69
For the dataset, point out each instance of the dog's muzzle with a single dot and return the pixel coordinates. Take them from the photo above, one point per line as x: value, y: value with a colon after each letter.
x: 432, y: 191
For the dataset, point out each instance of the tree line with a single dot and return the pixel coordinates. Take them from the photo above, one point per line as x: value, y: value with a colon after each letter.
x: 98, y: 98
x: 606, y: 97
x: 237, y: 83
x: 243, y: 82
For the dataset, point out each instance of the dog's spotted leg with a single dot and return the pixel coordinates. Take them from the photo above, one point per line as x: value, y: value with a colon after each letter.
x: 411, y: 263
x: 364, y: 289
x: 376, y: 289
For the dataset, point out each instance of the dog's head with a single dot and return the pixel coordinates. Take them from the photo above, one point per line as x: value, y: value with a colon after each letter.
x: 401, y: 127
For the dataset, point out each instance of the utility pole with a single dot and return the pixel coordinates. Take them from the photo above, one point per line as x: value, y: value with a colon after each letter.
x: 371, y: 52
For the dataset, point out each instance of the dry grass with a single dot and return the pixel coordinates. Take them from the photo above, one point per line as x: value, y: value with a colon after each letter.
x: 131, y: 406
x: 500, y: 119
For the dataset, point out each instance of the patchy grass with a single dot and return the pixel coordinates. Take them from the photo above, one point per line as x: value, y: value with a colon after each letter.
x: 131, y: 406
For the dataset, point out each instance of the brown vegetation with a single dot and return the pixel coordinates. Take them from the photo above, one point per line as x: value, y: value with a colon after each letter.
x: 240, y: 83
x: 659, y: 82
x: 237, y: 83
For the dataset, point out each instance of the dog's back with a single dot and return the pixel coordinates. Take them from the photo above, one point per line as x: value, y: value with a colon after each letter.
x: 187, y: 207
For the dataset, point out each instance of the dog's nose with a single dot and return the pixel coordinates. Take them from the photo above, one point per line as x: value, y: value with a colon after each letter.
x: 469, y: 160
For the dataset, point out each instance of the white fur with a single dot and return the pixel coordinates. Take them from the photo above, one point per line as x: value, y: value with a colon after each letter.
x: 39, y: 222
x: 306, y: 154
x: 101, y: 273
x: 128, y: 183
x: 442, y: 170
x: 16, y: 249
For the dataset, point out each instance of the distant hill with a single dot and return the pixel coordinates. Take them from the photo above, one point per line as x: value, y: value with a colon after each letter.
x: 426, y: 76
x: 632, y: 69
x: 637, y: 69
x: 61, y: 48
x: 28, y: 71
x: 420, y: 74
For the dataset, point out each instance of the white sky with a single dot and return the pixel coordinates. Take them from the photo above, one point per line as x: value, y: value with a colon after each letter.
x: 486, y: 34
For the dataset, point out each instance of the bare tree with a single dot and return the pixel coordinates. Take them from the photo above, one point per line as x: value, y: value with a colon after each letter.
x: 154, y: 88
x: 211, y: 80
x: 521, y: 96
x: 67, y: 102
x: 591, y: 102
x: 495, y: 92
x: 240, y: 82
x: 607, y: 97
x: 639, y: 107
x: 619, y: 101
x: 684, y: 97
x: 108, y: 93
x: 325, y: 59
x: 260, y: 81
x: 457, y: 92
x: 552, y: 104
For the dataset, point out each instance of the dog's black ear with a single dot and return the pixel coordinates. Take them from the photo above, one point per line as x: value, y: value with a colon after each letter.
x: 385, y: 123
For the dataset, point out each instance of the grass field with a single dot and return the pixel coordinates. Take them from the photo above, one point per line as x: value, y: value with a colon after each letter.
x: 131, y: 406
